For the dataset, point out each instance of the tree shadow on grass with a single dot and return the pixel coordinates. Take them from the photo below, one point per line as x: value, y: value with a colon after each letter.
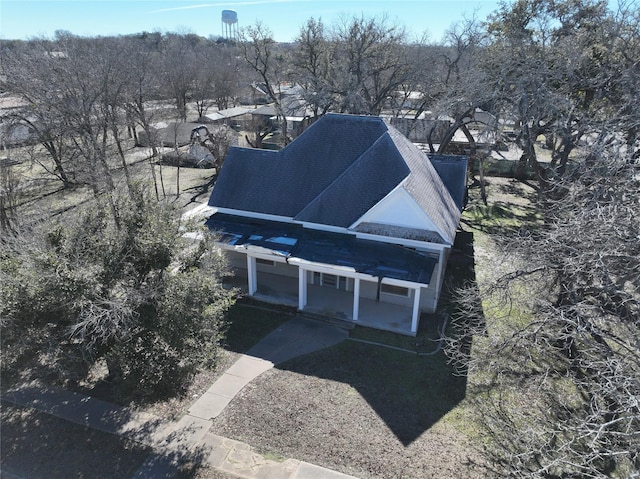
x: 248, y: 321
x: 499, y: 217
x: 464, y: 310
x: 49, y: 432
x: 38, y: 445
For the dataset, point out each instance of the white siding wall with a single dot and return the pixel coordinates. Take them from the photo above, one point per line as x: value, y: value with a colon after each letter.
x: 398, y: 209
x: 427, y: 296
x: 369, y: 290
x: 236, y: 260
x: 239, y: 260
x: 282, y: 269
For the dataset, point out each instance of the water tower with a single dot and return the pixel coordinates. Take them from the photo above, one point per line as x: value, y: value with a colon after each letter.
x: 230, y: 24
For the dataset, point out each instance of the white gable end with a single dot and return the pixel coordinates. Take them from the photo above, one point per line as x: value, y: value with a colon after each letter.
x: 398, y: 208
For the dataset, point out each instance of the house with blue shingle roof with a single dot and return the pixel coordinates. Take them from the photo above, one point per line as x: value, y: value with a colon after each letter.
x: 350, y: 220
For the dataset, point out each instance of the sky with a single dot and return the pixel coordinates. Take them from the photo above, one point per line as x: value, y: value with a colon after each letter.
x: 24, y: 19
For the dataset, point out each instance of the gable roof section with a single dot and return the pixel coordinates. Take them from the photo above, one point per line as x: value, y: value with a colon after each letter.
x: 332, y: 174
x: 426, y: 187
x: 367, y: 181
x: 241, y: 183
x: 452, y: 169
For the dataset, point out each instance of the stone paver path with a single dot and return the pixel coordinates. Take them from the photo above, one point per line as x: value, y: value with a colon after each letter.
x: 294, y: 338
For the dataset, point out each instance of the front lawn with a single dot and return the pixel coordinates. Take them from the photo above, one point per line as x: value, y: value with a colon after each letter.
x: 362, y: 409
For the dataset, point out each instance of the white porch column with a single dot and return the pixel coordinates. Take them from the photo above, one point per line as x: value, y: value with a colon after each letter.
x: 302, y: 288
x: 252, y: 274
x: 439, y: 278
x: 356, y: 298
x: 416, y: 310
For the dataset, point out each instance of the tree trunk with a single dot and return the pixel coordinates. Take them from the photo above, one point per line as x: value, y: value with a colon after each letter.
x: 473, y: 156
x: 123, y: 159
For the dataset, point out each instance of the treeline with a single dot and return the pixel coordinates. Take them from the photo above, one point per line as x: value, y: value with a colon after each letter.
x: 562, y: 71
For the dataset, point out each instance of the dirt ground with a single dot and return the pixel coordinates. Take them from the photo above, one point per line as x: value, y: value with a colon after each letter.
x: 339, y: 408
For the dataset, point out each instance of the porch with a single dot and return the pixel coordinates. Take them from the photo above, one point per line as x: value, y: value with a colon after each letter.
x: 327, y: 301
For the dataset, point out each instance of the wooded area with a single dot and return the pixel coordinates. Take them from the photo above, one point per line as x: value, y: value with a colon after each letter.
x: 552, y: 336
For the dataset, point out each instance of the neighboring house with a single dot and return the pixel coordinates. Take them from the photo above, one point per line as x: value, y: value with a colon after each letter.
x: 295, y: 109
x: 349, y: 220
x: 298, y: 117
x: 172, y: 135
x: 14, y: 131
x: 238, y: 117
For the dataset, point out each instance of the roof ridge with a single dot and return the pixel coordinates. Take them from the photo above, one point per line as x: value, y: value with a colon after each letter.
x: 352, y: 166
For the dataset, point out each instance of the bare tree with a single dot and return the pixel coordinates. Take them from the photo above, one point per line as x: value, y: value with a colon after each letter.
x: 370, y: 63
x: 311, y: 62
x: 555, y: 329
x: 27, y: 73
x: 9, y: 195
x: 75, y: 99
x: 558, y: 69
x: 259, y: 128
x: 202, y: 91
x: 141, y: 89
x: 556, y: 337
x: 268, y: 62
x: 221, y: 138
x: 180, y: 64
x: 228, y: 75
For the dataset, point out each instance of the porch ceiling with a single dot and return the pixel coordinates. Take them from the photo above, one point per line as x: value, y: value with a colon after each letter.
x: 382, y: 260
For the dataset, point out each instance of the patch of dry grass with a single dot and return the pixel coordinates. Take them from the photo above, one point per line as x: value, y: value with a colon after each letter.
x: 41, y: 195
x: 360, y: 409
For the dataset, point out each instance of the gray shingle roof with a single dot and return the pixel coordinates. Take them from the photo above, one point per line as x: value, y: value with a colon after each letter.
x: 332, y: 174
x: 360, y: 187
x: 452, y: 170
x: 426, y: 187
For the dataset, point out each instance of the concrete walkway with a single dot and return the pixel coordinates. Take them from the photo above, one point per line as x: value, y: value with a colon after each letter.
x: 294, y: 338
x: 190, y: 436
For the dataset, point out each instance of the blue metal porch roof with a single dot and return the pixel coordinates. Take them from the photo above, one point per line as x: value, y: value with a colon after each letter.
x: 382, y: 260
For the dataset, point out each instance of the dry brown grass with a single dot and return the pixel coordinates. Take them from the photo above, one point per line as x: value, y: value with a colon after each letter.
x: 358, y: 409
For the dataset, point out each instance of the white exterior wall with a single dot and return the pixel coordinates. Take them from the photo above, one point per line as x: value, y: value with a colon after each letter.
x: 427, y: 299
x: 283, y: 269
x: 398, y: 208
x: 238, y: 259
x: 368, y: 289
